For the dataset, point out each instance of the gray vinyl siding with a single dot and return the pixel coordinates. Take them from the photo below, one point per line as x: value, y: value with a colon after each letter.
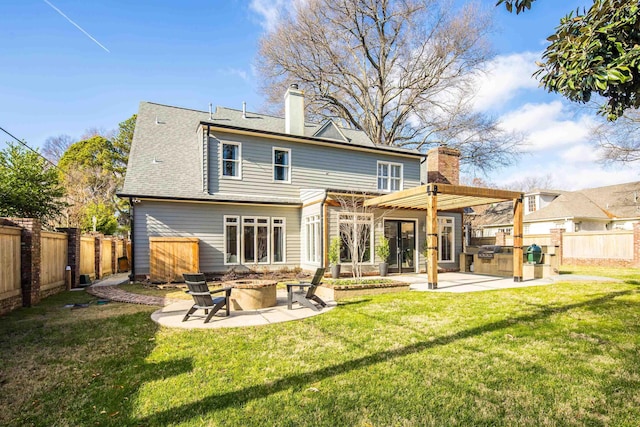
x: 312, y: 166
x: 206, y: 222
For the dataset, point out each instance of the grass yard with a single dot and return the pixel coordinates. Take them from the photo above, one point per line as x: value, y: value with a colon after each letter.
x: 564, y: 354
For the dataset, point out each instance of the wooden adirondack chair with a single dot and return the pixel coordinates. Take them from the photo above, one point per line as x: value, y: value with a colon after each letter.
x: 204, y: 300
x: 306, y: 293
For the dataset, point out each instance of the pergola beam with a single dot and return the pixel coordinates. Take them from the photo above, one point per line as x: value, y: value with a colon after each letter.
x: 435, y: 196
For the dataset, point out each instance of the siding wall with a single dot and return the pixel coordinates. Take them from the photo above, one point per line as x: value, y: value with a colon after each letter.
x: 206, y: 221
x: 312, y: 166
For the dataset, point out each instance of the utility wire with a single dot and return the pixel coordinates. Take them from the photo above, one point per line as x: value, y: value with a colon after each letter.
x: 25, y: 144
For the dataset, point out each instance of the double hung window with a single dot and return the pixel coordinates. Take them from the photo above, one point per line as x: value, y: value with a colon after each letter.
x: 231, y: 160
x: 282, y: 164
x: 389, y: 176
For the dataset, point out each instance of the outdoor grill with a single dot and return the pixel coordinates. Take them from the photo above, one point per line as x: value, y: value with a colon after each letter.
x: 487, y: 251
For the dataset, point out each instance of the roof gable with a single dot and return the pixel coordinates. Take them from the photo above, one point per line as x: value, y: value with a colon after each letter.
x: 329, y: 130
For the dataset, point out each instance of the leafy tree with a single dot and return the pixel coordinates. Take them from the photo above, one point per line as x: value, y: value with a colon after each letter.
x: 595, y: 51
x: 29, y: 186
x: 106, y: 222
x: 122, y: 145
x: 402, y: 71
x: 521, y: 5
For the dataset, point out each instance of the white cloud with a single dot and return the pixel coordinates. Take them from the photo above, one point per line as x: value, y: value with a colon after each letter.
x: 548, y: 125
x: 238, y: 72
x: 581, y: 153
x: 503, y: 77
x: 269, y: 11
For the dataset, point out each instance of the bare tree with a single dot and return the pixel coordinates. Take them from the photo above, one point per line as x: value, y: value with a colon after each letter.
x: 400, y: 70
x: 619, y: 140
x: 535, y: 182
x: 356, y: 226
x: 55, y: 146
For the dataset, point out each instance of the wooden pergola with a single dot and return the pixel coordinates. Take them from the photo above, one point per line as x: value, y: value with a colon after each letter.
x: 436, y: 197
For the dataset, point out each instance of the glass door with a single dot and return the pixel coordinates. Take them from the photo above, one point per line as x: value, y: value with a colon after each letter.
x: 402, y: 245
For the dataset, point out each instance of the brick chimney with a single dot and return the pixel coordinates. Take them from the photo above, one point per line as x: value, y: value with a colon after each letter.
x: 443, y: 165
x: 294, y: 111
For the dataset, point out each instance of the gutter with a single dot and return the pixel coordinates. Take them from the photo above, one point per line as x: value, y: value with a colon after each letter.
x: 194, y: 199
x: 132, y: 266
x: 309, y: 139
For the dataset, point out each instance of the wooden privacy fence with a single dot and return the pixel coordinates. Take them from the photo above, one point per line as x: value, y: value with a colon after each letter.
x: 589, y: 245
x: 87, y: 256
x: 35, y: 263
x: 172, y: 256
x: 107, y: 260
x: 10, y: 289
x: 53, y: 254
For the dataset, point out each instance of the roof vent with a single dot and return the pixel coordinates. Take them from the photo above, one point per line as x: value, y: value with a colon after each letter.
x: 244, y: 110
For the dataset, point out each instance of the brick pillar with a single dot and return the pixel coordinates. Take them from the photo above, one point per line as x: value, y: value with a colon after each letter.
x: 556, y: 240
x: 73, y: 253
x: 501, y: 238
x: 30, y: 258
x: 636, y: 244
x: 98, y: 257
x: 114, y: 261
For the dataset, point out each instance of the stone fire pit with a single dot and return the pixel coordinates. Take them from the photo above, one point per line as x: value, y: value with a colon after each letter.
x: 252, y: 294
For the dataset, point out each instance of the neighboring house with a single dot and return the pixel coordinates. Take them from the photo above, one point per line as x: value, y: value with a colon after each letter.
x: 614, y: 207
x: 263, y: 192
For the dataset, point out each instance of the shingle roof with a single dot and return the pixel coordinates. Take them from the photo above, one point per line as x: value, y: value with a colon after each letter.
x: 613, y: 201
x: 165, y: 160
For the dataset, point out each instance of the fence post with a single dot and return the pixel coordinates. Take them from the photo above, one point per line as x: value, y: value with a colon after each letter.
x: 114, y: 260
x: 98, y: 257
x: 636, y: 243
x: 556, y: 240
x: 30, y: 258
x: 73, y: 253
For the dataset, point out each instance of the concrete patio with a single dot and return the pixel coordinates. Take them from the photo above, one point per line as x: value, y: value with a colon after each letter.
x: 171, y: 315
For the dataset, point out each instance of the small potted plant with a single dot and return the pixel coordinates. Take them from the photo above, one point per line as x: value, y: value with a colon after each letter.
x: 334, y: 257
x: 382, y: 251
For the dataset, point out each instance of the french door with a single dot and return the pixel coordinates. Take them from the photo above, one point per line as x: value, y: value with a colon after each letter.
x: 402, y: 245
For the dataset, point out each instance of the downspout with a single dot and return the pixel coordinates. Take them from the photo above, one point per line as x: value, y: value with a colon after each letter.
x: 325, y: 226
x: 132, y: 265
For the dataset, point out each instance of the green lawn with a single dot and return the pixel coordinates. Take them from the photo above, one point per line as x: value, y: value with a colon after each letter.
x: 564, y: 354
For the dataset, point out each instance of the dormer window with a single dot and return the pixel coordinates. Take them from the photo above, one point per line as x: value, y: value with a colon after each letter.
x: 389, y: 176
x: 531, y: 204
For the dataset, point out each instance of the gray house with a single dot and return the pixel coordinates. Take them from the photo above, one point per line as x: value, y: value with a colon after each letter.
x: 262, y: 192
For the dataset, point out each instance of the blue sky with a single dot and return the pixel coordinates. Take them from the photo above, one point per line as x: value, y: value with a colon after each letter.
x: 54, y: 79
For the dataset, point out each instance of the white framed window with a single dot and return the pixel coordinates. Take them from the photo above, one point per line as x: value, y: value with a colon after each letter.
x: 531, y: 203
x: 231, y: 160
x: 231, y: 240
x: 446, y: 239
x: 278, y: 240
x: 356, y: 234
x: 313, y: 239
x: 389, y: 176
x: 255, y: 240
x: 282, y: 164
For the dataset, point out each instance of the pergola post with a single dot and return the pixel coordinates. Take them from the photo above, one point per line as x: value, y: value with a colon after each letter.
x: 517, y: 239
x: 432, y: 236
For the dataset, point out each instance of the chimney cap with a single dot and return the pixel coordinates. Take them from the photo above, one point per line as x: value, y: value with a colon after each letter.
x: 293, y: 85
